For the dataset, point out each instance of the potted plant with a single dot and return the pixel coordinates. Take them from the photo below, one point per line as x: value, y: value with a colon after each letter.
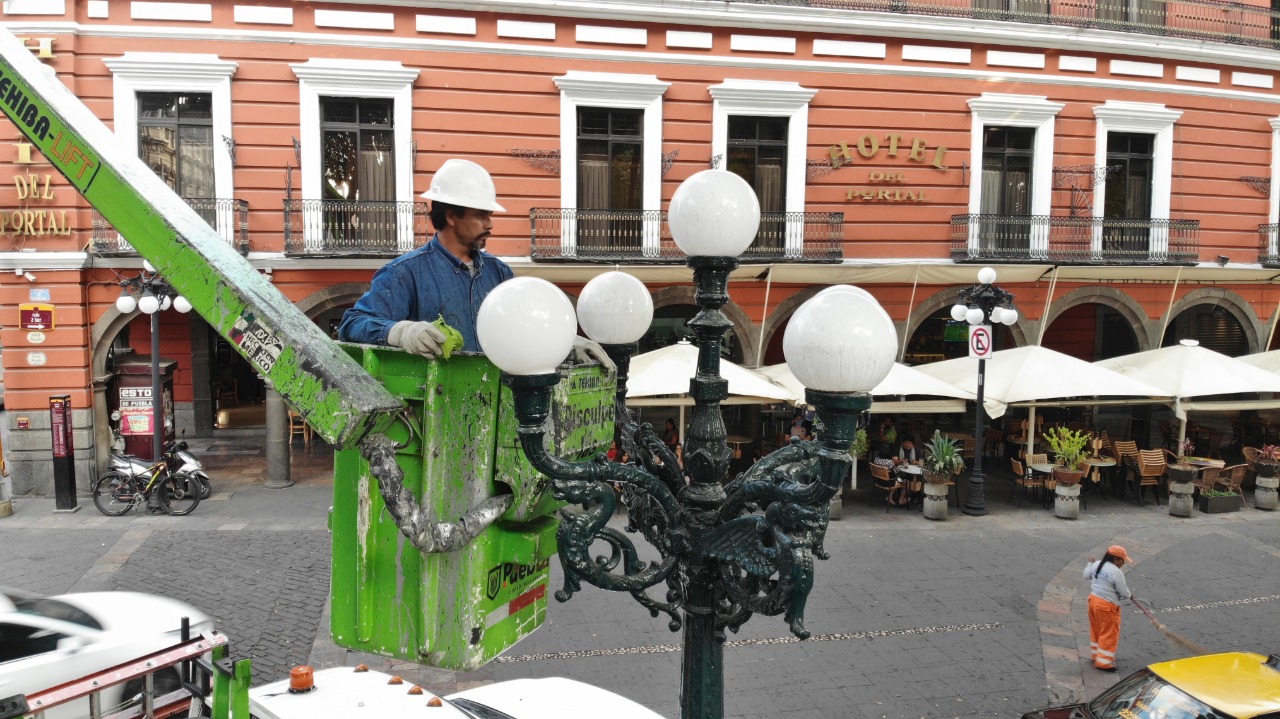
x: 1216, y: 501
x: 1069, y: 447
x: 1180, y: 471
x: 942, y: 459
x: 1268, y: 460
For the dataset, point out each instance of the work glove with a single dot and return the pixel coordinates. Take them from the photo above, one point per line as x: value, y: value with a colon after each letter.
x: 584, y: 350
x: 420, y: 338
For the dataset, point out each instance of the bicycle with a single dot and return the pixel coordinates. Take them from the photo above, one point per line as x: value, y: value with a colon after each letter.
x: 129, y: 484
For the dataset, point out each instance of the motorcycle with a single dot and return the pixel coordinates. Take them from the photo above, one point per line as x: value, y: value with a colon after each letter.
x: 132, y: 465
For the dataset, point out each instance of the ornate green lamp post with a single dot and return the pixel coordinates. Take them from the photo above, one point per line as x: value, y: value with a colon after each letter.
x: 155, y: 296
x: 979, y: 305
x: 730, y: 547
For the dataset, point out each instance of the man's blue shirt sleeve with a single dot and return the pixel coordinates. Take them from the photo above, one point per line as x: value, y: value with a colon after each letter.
x: 389, y: 300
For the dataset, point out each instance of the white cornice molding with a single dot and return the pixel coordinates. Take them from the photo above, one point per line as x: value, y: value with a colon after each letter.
x: 35, y: 261
x: 165, y: 65
x: 599, y: 87
x: 356, y: 74
x: 1136, y: 116
x: 784, y: 97
x: 774, y: 18
x: 998, y: 108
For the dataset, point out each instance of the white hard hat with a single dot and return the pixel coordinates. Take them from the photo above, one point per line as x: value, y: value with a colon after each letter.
x: 465, y: 184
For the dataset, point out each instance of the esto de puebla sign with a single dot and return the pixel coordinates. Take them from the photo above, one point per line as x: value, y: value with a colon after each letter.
x: 888, y: 185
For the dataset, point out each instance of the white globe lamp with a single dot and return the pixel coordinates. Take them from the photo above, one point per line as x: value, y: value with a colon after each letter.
x: 149, y: 304
x: 959, y: 312
x: 181, y: 304
x: 974, y: 316
x: 526, y: 326
x: 126, y: 302
x: 1009, y: 316
x: 165, y: 302
x: 987, y: 276
x: 615, y: 308
x: 840, y: 342
x: 714, y: 213
x: 997, y: 315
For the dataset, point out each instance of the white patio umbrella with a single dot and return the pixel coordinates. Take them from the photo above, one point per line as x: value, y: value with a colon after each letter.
x: 667, y: 371
x: 1032, y: 373
x: 901, y: 380
x: 1189, y: 370
x: 1269, y: 361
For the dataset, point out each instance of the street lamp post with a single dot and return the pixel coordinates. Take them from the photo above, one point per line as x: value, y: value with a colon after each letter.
x: 154, y: 296
x: 730, y: 547
x: 979, y: 305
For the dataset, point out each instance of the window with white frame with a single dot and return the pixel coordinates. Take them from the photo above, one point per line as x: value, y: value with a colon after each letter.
x: 356, y: 116
x: 610, y: 127
x: 1135, y: 143
x: 761, y: 130
x: 174, y: 111
x: 1014, y: 136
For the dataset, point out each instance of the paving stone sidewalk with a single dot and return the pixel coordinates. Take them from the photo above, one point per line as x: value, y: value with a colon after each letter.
x: 972, y: 617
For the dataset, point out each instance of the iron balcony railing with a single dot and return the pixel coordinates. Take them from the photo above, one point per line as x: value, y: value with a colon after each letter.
x: 643, y: 236
x: 230, y: 217
x: 1206, y: 20
x: 1269, y: 245
x: 1074, y: 240
x: 353, y: 228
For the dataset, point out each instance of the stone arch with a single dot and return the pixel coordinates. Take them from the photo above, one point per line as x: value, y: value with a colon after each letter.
x: 321, y: 301
x: 1255, y: 330
x: 100, y: 338
x: 783, y: 312
x: 685, y: 295
x: 1117, y: 300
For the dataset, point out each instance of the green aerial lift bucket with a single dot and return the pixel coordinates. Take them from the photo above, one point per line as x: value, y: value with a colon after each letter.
x: 456, y: 610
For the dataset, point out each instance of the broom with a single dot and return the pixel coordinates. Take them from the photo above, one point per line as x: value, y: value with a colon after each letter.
x: 1176, y: 639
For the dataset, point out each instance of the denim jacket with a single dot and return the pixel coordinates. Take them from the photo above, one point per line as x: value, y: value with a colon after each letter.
x: 420, y: 286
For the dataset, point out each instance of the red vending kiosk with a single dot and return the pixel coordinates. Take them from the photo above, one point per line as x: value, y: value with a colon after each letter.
x: 133, y: 392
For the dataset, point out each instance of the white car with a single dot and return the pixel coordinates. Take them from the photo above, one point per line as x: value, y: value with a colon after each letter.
x: 47, y: 641
x: 357, y: 693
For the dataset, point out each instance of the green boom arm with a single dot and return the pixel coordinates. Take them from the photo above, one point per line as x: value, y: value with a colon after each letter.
x: 330, y: 390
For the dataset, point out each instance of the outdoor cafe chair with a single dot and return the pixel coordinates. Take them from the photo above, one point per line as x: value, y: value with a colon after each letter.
x: 1148, y: 471
x: 1231, y: 479
x: 882, y: 480
x: 1029, y: 483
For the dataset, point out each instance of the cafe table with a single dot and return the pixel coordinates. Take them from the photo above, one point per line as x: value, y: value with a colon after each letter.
x: 1097, y: 464
x: 737, y: 442
x: 1045, y: 468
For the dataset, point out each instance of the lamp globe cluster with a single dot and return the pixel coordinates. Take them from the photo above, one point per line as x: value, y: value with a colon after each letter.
x: 526, y: 326
x: 975, y: 315
x: 615, y: 309
x: 714, y: 213
x: 841, y: 340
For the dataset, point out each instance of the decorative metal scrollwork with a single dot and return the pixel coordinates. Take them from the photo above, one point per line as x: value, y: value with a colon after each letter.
x: 546, y: 160
x: 816, y: 169
x: 669, y: 159
x: 1261, y: 184
x: 1081, y: 179
x: 231, y: 148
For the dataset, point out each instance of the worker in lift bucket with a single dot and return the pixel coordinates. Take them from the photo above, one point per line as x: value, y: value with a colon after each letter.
x: 447, y: 277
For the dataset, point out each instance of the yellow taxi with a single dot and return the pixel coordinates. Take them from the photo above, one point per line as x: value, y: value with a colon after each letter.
x: 1233, y: 685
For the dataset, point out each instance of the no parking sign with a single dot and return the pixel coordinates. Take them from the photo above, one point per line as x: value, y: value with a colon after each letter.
x: 980, y: 341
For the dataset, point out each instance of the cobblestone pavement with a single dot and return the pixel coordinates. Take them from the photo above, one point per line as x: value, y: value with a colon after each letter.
x: 972, y: 617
